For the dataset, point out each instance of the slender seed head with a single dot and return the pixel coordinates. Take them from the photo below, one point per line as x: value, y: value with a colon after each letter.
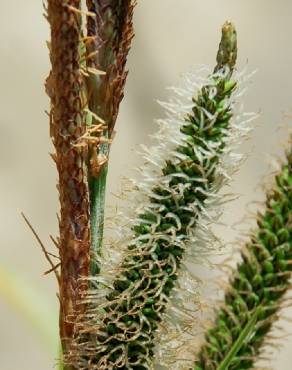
x: 256, y: 291
x: 64, y: 86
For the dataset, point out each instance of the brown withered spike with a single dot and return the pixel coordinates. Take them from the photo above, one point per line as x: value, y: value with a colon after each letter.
x: 111, y: 31
x: 64, y: 87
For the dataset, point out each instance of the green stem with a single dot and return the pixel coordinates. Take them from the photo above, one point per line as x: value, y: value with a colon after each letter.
x: 61, y: 364
x: 97, y: 184
x: 249, y: 327
x: 97, y: 188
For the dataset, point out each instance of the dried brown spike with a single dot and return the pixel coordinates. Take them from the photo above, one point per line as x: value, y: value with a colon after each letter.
x: 64, y: 87
x: 111, y: 33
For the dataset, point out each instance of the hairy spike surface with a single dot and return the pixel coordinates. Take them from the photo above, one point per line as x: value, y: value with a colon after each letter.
x: 256, y: 291
x: 64, y: 86
x: 184, y: 177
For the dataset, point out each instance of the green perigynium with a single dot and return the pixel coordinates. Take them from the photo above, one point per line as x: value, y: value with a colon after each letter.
x: 187, y: 170
x: 256, y: 290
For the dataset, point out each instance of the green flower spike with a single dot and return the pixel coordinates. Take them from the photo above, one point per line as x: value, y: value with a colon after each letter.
x: 255, y: 296
x: 188, y: 171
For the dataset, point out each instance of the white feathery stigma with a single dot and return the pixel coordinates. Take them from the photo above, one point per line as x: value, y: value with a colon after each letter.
x: 153, y: 291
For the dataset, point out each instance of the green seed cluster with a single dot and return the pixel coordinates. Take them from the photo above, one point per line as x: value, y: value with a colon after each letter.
x: 257, y: 288
x: 127, y: 322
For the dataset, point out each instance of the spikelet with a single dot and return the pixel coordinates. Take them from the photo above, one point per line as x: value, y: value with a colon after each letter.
x: 119, y: 330
x: 256, y: 291
x: 64, y: 87
x: 182, y: 319
x: 110, y: 34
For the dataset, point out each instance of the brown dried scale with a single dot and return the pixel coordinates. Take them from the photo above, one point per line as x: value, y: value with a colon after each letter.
x: 64, y: 87
x: 110, y: 34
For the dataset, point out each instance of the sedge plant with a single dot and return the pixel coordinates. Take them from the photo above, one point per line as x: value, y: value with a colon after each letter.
x: 112, y: 313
